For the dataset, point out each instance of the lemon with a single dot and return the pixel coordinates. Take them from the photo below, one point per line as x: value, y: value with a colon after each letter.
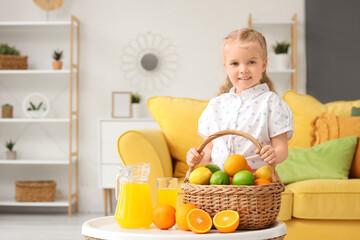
x: 200, y: 175
x: 213, y: 168
x: 243, y: 177
x: 263, y: 172
x: 219, y: 178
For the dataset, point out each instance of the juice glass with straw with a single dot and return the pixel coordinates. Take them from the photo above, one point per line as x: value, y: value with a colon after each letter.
x: 167, y: 190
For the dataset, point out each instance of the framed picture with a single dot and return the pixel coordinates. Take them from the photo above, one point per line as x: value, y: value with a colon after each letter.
x: 121, y: 105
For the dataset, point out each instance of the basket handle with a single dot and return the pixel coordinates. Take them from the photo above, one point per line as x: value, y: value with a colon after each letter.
x: 221, y: 133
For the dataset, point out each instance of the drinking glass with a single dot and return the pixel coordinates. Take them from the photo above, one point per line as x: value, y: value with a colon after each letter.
x: 167, y: 190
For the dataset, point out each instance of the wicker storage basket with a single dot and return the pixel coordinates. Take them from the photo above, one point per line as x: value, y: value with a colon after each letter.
x: 35, y: 191
x: 13, y: 62
x: 258, y: 206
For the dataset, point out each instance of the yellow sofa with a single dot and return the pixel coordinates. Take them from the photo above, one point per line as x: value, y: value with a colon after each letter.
x: 311, y: 209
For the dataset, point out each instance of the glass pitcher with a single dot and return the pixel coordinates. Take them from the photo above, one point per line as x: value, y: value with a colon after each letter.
x: 134, y: 207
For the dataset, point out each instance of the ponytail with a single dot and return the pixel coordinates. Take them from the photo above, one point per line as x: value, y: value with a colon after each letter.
x: 267, y: 80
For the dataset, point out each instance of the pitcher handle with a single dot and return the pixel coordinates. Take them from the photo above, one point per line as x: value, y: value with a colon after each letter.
x: 117, y: 187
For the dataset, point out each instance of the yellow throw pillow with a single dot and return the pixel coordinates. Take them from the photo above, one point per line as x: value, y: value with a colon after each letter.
x: 305, y: 109
x: 178, y: 120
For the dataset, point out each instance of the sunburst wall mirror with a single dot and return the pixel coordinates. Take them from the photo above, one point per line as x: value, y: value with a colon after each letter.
x: 149, y: 62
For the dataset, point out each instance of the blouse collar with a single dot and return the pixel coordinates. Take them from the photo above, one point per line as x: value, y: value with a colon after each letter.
x: 253, y: 91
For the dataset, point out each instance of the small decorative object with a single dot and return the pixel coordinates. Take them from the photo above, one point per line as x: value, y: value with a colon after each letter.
x: 281, y: 55
x: 121, y: 105
x: 10, y: 154
x: 149, y: 61
x: 135, y: 104
x: 36, y: 105
x: 57, y: 64
x: 35, y: 191
x: 7, y: 111
x: 48, y: 5
x: 10, y: 58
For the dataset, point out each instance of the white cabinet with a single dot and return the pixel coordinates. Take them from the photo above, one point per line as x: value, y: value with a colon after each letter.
x: 47, y: 147
x: 109, y: 160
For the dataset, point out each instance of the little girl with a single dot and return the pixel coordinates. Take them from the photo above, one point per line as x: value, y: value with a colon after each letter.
x: 247, y: 101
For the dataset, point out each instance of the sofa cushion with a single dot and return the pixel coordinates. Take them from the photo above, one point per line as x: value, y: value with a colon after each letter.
x: 178, y: 120
x: 328, y: 126
x: 305, y: 108
x: 328, y: 160
x: 326, y: 199
x: 286, y: 205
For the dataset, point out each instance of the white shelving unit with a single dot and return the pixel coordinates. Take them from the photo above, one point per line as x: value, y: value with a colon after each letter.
x: 71, y: 122
x: 292, y: 24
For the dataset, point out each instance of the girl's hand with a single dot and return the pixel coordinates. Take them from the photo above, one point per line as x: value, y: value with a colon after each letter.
x: 193, y: 158
x: 268, y: 154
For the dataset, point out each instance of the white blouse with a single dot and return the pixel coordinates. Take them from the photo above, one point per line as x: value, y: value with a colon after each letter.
x: 258, y: 112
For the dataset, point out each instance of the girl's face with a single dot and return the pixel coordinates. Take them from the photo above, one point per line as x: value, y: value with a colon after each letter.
x: 244, y: 64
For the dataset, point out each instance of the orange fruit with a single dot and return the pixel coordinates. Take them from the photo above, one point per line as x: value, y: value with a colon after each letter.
x: 230, y: 180
x: 263, y: 172
x: 164, y: 216
x: 261, y: 181
x: 181, y: 213
x: 226, y: 221
x: 243, y: 177
x: 199, y: 221
x: 249, y: 168
x: 234, y: 164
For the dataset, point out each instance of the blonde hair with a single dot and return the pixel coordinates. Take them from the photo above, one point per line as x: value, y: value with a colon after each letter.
x: 248, y: 35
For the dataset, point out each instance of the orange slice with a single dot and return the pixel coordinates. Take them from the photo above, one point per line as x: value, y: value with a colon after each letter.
x: 226, y: 221
x: 199, y: 221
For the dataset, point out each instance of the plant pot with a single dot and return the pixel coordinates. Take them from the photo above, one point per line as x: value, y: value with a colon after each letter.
x: 11, y: 155
x: 36, y: 113
x: 136, y: 110
x: 281, y: 61
x: 7, y: 112
x: 57, y: 65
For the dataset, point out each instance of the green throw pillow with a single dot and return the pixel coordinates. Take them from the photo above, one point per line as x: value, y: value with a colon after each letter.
x: 355, y: 112
x: 328, y: 160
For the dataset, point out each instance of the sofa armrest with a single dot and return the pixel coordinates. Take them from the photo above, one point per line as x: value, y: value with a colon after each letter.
x: 149, y: 146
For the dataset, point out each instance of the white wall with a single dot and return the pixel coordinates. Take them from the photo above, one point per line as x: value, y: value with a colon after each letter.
x: 195, y: 28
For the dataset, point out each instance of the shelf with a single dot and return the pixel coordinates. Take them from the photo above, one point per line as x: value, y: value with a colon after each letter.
x: 56, y: 203
x: 34, y: 120
x: 34, y: 162
x: 36, y: 72
x: 280, y: 71
x: 36, y: 24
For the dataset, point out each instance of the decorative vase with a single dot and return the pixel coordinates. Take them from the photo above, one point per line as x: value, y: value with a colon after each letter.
x: 136, y: 110
x: 7, y: 111
x: 281, y: 61
x: 36, y: 113
x: 11, y: 155
x: 57, y: 65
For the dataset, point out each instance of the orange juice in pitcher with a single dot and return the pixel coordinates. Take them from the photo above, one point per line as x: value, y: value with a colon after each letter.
x: 134, y: 207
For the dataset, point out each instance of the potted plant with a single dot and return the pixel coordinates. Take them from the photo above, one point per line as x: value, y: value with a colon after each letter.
x: 10, y: 154
x: 281, y: 55
x: 7, y: 111
x: 36, y: 111
x: 10, y: 58
x: 57, y: 56
x: 135, y: 104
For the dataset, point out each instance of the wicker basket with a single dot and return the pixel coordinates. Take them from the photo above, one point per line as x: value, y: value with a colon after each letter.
x: 35, y: 191
x: 258, y: 206
x: 13, y: 62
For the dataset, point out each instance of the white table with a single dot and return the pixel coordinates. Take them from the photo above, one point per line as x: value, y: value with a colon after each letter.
x: 107, y: 228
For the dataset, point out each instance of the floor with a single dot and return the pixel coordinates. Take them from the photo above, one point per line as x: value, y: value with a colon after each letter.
x: 41, y: 226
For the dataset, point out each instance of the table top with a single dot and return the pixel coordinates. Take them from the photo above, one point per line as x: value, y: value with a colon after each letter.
x: 107, y: 228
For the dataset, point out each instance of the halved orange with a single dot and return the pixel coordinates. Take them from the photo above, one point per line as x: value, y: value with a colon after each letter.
x: 199, y: 221
x: 226, y: 221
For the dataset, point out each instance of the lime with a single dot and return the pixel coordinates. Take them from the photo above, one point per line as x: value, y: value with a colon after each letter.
x: 219, y: 178
x: 243, y: 177
x: 213, y: 168
x: 263, y: 172
x: 200, y: 175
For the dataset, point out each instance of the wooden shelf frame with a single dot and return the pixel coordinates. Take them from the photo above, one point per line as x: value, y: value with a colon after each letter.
x: 294, y: 46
